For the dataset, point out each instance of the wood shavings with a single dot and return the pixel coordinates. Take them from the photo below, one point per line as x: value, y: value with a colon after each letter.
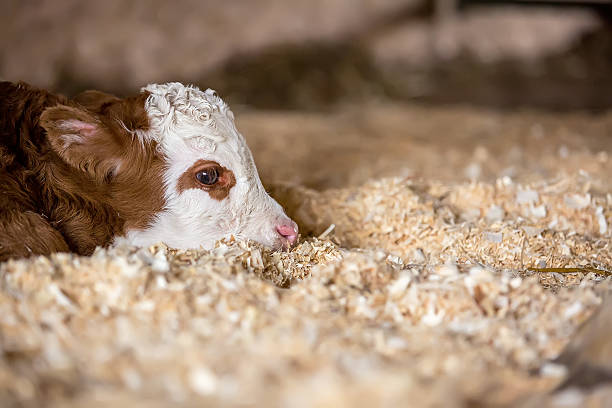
x: 403, y: 291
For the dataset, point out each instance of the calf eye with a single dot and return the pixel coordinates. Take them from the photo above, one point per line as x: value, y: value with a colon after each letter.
x: 208, y: 176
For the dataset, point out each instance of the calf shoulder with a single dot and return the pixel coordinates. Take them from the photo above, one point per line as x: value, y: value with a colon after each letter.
x: 45, y: 205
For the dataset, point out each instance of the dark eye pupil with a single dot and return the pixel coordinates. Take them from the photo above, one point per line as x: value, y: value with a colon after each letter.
x: 208, y: 176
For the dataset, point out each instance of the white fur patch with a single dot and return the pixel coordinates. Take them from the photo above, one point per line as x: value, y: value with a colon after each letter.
x: 191, y: 125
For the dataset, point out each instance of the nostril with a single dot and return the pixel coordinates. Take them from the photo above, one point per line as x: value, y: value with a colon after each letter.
x: 288, y: 231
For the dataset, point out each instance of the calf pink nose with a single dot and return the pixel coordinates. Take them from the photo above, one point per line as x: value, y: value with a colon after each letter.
x: 288, y: 231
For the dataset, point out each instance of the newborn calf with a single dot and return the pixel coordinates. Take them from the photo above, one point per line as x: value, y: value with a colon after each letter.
x: 167, y: 165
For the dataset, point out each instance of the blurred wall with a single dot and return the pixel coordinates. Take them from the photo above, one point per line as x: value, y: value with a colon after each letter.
x: 121, y: 44
x: 311, y: 54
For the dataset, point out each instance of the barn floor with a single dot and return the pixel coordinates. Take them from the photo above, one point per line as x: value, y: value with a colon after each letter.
x: 411, y: 284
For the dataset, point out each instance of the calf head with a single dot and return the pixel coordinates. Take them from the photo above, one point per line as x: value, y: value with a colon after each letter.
x: 172, y: 164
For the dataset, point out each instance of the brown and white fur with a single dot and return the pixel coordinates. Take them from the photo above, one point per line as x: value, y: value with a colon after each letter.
x: 85, y: 172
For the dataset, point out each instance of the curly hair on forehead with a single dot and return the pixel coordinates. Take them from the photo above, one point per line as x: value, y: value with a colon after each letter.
x: 172, y: 104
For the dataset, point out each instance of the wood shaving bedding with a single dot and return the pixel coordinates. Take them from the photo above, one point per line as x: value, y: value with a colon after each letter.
x: 412, y: 295
x: 401, y: 291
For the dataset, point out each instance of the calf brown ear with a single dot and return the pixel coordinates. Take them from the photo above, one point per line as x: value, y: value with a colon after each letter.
x: 82, y: 141
x: 95, y: 101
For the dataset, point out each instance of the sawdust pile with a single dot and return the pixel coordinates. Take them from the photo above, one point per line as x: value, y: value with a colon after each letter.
x: 413, y: 292
x: 500, y: 225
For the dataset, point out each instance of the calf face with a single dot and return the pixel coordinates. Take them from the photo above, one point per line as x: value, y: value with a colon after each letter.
x: 173, y: 164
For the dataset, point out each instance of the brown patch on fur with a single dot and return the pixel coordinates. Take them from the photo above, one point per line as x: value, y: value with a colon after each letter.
x: 217, y: 191
x: 73, y: 193
x: 27, y: 233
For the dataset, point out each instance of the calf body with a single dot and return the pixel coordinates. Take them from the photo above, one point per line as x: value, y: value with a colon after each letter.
x: 167, y: 165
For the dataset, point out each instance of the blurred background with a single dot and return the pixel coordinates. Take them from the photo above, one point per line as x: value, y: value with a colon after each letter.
x: 310, y: 54
x: 417, y: 58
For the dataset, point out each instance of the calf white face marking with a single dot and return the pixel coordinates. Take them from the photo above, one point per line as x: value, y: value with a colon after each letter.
x: 196, y: 133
